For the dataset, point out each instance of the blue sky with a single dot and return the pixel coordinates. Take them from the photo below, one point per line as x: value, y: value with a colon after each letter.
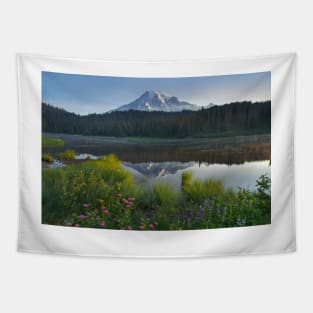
x: 85, y: 94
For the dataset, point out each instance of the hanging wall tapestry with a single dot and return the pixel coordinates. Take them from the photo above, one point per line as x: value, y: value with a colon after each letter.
x: 156, y: 159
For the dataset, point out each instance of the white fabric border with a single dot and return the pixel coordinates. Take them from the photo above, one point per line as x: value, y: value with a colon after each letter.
x: 277, y: 237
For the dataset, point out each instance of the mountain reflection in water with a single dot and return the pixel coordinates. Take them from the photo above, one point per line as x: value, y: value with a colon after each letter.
x: 243, y: 175
x: 237, y: 161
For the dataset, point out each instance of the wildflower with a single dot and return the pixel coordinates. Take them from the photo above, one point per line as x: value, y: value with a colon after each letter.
x: 141, y: 227
x: 68, y: 224
x: 77, y: 225
x: 86, y: 205
x: 83, y: 217
x: 119, y: 195
x: 151, y: 226
x: 200, y: 213
x: 129, y: 228
x: 189, y: 215
x: 102, y: 224
x: 104, y: 210
x: 128, y: 206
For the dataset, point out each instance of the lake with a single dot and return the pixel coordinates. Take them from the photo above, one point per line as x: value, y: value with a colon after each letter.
x: 243, y: 175
x: 236, y: 161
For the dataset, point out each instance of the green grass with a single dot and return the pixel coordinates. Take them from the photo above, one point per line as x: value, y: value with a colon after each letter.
x: 48, y: 142
x: 100, y: 193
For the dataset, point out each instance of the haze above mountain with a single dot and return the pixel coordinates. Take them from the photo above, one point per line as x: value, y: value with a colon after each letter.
x: 157, y: 101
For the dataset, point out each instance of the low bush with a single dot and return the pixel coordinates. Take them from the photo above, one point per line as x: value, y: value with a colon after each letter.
x: 47, y: 157
x: 66, y: 155
x: 101, y: 194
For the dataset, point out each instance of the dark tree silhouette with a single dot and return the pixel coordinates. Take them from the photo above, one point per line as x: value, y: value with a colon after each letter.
x: 237, y: 118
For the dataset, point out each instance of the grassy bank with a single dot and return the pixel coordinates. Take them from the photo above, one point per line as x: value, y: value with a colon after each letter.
x: 48, y: 142
x: 101, y: 194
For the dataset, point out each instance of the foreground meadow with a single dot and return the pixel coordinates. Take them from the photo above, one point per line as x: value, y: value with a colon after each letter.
x: 101, y: 194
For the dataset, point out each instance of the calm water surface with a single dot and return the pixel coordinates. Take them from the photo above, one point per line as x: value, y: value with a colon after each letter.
x: 237, y: 161
x: 243, y: 175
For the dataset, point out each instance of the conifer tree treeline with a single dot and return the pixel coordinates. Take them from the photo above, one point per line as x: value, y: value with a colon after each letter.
x: 230, y: 119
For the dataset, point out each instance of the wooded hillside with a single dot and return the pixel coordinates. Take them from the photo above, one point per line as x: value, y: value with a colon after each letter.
x: 230, y: 119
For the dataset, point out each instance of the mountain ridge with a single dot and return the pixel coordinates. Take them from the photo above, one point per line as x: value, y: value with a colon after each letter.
x: 159, y: 101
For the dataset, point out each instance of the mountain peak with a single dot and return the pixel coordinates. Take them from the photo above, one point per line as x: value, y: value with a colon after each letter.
x: 151, y: 93
x: 154, y: 93
x: 152, y: 100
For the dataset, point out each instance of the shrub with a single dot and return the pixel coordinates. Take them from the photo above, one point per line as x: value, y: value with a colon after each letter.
x: 70, y: 187
x: 47, y: 157
x: 197, y: 191
x: 66, y: 155
x: 100, y: 193
x: 164, y: 194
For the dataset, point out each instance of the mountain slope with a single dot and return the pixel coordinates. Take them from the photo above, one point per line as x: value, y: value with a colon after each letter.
x: 157, y: 101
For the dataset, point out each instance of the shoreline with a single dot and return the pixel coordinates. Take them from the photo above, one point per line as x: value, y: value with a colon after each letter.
x: 226, y: 150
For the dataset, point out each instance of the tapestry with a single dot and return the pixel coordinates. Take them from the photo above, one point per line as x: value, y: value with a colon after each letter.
x: 182, y: 158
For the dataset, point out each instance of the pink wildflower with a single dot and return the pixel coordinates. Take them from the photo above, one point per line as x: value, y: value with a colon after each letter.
x: 141, y: 227
x: 77, y: 225
x: 128, y: 206
x: 129, y: 228
x: 102, y: 224
x: 151, y: 226
x: 69, y: 224
x: 86, y: 205
x: 105, y: 211
x: 83, y: 217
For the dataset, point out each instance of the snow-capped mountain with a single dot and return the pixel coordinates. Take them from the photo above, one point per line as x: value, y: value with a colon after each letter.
x: 157, y: 101
x: 210, y: 105
x: 158, y: 169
